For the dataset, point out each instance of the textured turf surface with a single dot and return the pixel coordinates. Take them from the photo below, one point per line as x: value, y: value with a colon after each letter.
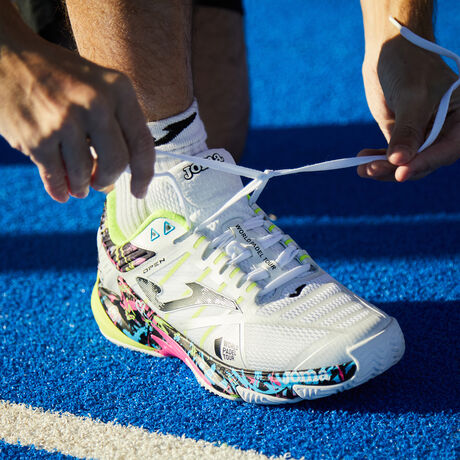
x: 397, y: 245
x: 25, y: 452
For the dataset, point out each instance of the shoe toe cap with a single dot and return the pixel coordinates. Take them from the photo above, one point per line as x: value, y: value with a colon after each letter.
x: 316, y: 330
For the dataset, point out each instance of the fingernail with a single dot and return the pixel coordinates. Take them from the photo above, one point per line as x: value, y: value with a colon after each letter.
x: 139, y: 194
x: 369, y: 171
x: 401, y: 155
x: 403, y: 173
x: 61, y: 198
x: 376, y: 169
x: 84, y: 194
x: 80, y: 195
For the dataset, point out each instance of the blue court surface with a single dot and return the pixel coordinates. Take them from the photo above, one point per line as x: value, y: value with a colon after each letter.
x: 398, y: 245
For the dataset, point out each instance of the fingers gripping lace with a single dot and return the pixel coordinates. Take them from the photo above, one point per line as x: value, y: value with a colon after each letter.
x: 260, y: 179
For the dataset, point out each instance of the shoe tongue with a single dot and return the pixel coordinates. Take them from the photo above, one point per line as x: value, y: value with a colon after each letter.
x: 206, y: 190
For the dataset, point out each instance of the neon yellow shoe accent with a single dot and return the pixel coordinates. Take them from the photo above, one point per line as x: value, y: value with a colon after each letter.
x: 290, y: 240
x: 120, y: 256
x: 175, y: 268
x: 221, y: 287
x: 257, y: 210
x: 205, y: 335
x: 187, y: 292
x: 108, y: 329
x: 219, y: 257
x: 199, y: 241
x: 251, y: 287
x: 234, y: 272
x: 199, y: 311
x: 117, y: 236
x: 303, y: 257
x: 272, y: 226
x: 193, y: 351
x: 239, y: 300
x: 160, y: 213
x: 203, y: 275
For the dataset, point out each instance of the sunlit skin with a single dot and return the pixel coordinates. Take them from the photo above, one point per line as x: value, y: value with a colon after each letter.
x: 404, y: 85
x: 53, y: 101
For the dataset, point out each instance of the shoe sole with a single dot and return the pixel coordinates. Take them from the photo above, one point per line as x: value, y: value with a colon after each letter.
x: 368, y: 358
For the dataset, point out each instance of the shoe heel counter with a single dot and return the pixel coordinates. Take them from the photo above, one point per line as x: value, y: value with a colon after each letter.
x: 107, y: 272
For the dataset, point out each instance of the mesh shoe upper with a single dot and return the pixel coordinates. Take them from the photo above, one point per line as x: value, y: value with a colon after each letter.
x: 211, y: 285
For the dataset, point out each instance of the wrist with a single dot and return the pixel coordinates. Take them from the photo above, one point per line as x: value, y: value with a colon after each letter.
x: 414, y: 14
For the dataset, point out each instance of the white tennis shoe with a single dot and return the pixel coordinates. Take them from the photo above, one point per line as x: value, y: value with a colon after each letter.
x: 221, y: 287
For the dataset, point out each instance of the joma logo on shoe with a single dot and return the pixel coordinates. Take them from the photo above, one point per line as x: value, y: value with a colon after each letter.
x: 193, y: 169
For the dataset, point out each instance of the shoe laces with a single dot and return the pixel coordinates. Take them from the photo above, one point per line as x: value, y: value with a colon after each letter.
x: 238, y: 253
x: 235, y: 250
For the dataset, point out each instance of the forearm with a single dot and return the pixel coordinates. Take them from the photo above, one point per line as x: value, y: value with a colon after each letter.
x: 414, y: 14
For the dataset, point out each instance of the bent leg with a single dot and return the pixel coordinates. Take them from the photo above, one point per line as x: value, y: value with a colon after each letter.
x: 149, y: 41
x: 220, y: 76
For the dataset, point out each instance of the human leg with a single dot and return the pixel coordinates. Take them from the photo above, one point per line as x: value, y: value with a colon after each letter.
x: 220, y: 76
x: 148, y: 41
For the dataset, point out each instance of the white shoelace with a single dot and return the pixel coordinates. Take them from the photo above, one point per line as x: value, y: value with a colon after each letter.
x: 260, y: 179
x: 237, y: 253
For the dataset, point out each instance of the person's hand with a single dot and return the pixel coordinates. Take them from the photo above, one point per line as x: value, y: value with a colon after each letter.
x: 55, y: 105
x: 404, y: 85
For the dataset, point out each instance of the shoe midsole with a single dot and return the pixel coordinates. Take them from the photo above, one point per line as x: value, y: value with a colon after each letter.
x: 120, y: 320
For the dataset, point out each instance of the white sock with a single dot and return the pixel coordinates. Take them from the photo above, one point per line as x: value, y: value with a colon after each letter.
x: 183, y: 133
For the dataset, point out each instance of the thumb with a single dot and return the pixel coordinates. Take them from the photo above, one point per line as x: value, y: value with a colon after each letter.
x: 407, y: 136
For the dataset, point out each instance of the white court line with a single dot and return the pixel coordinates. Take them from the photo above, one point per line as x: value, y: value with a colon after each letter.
x: 84, y: 437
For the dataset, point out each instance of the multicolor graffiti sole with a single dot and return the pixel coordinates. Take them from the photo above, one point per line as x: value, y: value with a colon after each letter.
x: 148, y: 333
